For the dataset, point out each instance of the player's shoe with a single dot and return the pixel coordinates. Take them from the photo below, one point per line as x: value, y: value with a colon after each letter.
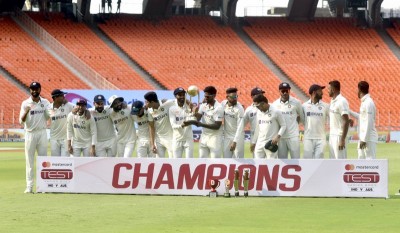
x: 28, y: 190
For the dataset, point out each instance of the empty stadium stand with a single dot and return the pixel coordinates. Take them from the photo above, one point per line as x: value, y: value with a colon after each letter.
x: 11, y: 99
x: 27, y: 61
x: 328, y: 49
x: 85, y: 44
x: 191, y: 50
x: 395, y: 31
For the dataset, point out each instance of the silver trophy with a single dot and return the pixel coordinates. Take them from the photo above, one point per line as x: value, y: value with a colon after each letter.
x: 192, y: 91
x: 246, y: 183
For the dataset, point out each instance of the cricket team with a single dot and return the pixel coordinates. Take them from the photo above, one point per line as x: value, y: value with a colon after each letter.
x: 156, y: 127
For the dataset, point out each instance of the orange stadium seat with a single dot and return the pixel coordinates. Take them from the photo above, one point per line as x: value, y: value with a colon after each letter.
x: 395, y: 32
x: 192, y: 50
x: 85, y: 44
x: 327, y: 49
x: 27, y: 61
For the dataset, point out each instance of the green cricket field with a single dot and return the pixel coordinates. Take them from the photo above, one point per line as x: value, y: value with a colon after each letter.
x: 50, y: 212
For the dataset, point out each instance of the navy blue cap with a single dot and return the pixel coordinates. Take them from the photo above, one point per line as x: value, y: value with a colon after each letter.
x: 136, y: 107
x: 99, y: 98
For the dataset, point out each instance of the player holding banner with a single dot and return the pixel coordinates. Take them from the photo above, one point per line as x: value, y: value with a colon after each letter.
x: 316, y: 114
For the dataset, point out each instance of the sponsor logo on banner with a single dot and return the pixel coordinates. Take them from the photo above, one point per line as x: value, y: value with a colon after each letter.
x: 361, y: 178
x: 57, y: 175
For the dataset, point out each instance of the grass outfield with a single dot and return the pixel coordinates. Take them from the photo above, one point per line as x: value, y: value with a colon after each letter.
x: 21, y: 212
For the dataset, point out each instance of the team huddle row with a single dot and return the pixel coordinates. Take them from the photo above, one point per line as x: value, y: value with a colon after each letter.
x: 164, y: 127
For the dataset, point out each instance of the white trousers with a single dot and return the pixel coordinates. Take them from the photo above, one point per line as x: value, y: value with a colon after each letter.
x: 183, y: 147
x: 367, y: 153
x: 164, y: 145
x: 59, y: 147
x: 125, y: 149
x: 34, y: 142
x: 237, y: 153
x: 334, y: 152
x: 78, y: 151
x: 144, y: 149
x: 289, y: 145
x: 260, y: 152
x: 107, y: 148
x: 210, y: 146
x: 314, y: 148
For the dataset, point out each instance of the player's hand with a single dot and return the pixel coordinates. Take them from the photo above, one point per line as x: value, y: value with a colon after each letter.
x: 191, y: 122
x: 70, y: 150
x: 351, y: 122
x: 87, y: 114
x: 342, y: 144
x: 75, y: 110
x: 93, y: 151
x: 27, y: 109
x: 233, y: 146
x: 275, y: 141
x: 252, y: 147
x: 154, y: 149
x: 363, y: 145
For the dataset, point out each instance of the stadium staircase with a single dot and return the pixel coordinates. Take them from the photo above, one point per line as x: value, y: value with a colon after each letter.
x: 394, y: 31
x: 328, y: 49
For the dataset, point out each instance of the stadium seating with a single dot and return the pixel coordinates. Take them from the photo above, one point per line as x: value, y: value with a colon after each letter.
x: 328, y: 49
x: 85, y: 44
x: 11, y: 99
x: 395, y: 32
x: 27, y: 61
x: 191, y: 50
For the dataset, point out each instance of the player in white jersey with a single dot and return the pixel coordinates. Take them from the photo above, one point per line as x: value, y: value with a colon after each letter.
x: 81, y: 132
x: 316, y: 114
x: 106, y: 137
x: 250, y: 116
x: 366, y: 120
x: 142, y: 119
x: 292, y: 111
x: 59, y: 111
x: 34, y: 116
x: 271, y: 125
x: 233, y: 115
x: 125, y: 126
x: 211, y: 114
x: 338, y: 122
x: 182, y: 139
x: 163, y: 130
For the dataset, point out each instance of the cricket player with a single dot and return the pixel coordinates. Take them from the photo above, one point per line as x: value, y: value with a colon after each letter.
x: 34, y: 115
x: 182, y: 136
x: 211, y: 114
x: 81, y: 132
x: 162, y: 137
x: 142, y: 119
x: 366, y: 127
x: 316, y: 113
x: 338, y: 122
x: 59, y: 110
x: 125, y: 126
x: 292, y: 111
x: 271, y: 125
x: 106, y: 135
x: 233, y: 115
x: 250, y: 116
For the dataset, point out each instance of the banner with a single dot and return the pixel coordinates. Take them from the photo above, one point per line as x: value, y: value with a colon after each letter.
x: 307, y: 178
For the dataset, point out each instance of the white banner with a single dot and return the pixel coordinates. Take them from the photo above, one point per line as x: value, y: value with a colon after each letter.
x: 316, y: 178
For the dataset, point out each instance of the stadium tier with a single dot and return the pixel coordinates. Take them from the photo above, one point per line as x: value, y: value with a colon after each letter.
x: 395, y: 31
x: 85, y: 44
x: 27, y: 61
x: 190, y: 50
x: 327, y: 49
x: 11, y: 98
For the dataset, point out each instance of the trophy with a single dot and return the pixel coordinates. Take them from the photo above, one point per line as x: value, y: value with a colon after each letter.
x: 213, y: 184
x: 227, y: 185
x: 192, y: 91
x: 246, y: 183
x: 236, y: 183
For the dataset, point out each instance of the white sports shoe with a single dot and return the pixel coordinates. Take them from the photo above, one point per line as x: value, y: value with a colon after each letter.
x: 28, y: 190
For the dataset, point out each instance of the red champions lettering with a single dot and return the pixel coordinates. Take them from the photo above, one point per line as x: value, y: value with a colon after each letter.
x: 296, y: 179
x: 118, y: 182
x: 117, y: 172
x: 185, y: 175
x: 215, y: 172
x: 56, y: 174
x: 166, y: 170
x: 271, y: 179
x: 361, y: 177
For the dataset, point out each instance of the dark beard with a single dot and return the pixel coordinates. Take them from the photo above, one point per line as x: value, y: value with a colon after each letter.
x: 35, y: 95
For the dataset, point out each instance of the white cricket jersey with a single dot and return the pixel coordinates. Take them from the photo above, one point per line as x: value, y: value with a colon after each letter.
x: 210, y: 115
x: 37, y: 116
x: 250, y: 115
x: 177, y: 115
x: 124, y: 124
x: 104, y: 124
x: 81, y: 131
x: 367, y: 117
x: 290, y: 110
x: 161, y: 119
x: 339, y: 107
x: 233, y: 115
x: 315, y: 119
x: 58, y: 117
x: 269, y: 124
x: 143, y: 129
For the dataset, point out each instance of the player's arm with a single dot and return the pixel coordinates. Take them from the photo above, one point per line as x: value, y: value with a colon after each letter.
x: 345, y: 126
x: 70, y: 132
x: 152, y: 137
x: 24, y: 113
x: 172, y: 119
x: 93, y: 132
x: 282, y: 129
x: 300, y: 113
